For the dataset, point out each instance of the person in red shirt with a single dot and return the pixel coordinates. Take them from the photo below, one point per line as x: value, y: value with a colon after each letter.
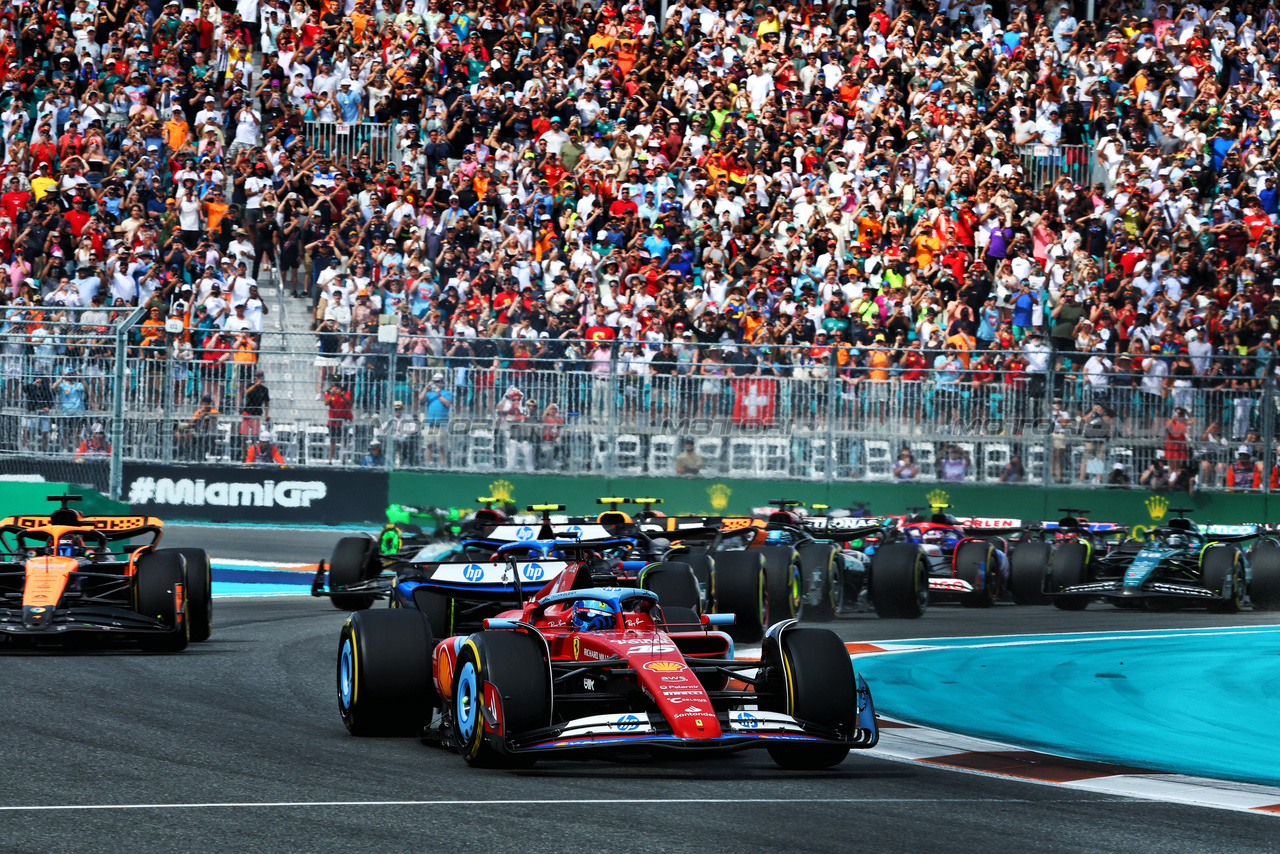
x: 77, y: 216
x: 963, y: 225
x: 16, y: 199
x: 503, y: 299
x: 599, y: 330
x: 914, y: 365
x: 43, y: 152
x: 338, y: 400
x: 623, y: 205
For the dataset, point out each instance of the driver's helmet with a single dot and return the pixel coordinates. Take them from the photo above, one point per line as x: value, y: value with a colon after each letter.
x: 936, y: 536
x: 1176, y: 540
x: 591, y: 617
x: 70, y: 547
x: 777, y: 537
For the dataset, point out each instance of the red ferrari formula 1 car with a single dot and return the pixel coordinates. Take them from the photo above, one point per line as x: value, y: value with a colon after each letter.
x: 582, y: 668
x: 65, y: 576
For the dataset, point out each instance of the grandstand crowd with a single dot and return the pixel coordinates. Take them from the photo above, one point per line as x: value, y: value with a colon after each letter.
x: 878, y: 191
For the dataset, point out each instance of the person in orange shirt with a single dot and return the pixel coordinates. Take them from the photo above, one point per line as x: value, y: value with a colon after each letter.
x: 359, y: 20
x: 263, y: 451
x: 602, y: 41
x: 878, y: 363
x: 926, y: 245
x: 153, y: 326
x: 626, y: 56
x: 177, y: 133
x: 963, y: 342
x: 869, y: 228
x: 215, y: 208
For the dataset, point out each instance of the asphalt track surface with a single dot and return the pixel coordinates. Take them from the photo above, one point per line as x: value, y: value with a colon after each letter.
x: 243, y: 733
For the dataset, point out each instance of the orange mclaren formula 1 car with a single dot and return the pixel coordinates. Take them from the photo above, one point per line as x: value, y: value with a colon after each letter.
x: 67, y: 577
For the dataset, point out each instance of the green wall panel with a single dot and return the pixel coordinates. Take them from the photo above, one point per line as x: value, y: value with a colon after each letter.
x: 700, y: 495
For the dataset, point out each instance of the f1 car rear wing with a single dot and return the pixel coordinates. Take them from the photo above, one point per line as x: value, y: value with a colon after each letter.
x: 992, y: 524
x: 1237, y: 533
x: 500, y: 534
x: 501, y: 579
x: 845, y: 527
x: 113, y: 524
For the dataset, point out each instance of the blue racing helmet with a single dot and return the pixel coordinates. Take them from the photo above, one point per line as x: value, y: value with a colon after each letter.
x: 67, y: 551
x: 591, y: 617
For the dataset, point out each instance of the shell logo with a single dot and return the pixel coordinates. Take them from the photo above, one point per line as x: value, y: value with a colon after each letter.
x: 664, y: 666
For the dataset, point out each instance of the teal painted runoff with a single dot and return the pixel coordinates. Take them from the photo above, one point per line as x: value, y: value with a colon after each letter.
x: 1201, y: 702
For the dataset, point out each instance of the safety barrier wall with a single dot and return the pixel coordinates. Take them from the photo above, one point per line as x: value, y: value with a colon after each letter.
x: 31, y: 498
x: 278, y: 495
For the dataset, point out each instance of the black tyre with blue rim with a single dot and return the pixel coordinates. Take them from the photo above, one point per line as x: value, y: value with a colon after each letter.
x: 516, y: 665
x: 384, y: 672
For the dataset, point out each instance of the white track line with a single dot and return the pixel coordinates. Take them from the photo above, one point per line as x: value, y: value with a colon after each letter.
x: 558, y: 802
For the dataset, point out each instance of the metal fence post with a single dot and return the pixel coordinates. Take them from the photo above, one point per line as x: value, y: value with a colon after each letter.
x: 832, y: 404
x: 115, y: 482
x: 611, y: 456
x: 391, y: 432
x: 1268, y: 416
x: 1046, y: 410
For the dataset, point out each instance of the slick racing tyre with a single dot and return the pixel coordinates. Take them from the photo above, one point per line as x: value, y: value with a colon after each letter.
x: 159, y: 588
x: 384, y: 673
x: 199, y: 592
x: 354, y: 560
x: 823, y: 583
x: 1264, y: 564
x: 703, y: 570
x: 740, y: 591
x: 1028, y: 565
x: 437, y: 608
x: 678, y: 593
x: 899, y: 581
x: 782, y: 584
x: 1222, y: 571
x: 507, y: 674
x: 810, y: 677
x: 976, y: 564
x: 1069, y: 567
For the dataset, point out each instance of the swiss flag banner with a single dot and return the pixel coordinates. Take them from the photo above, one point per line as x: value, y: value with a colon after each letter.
x: 754, y: 401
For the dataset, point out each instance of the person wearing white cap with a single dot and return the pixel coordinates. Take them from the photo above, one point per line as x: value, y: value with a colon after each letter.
x: 263, y: 452
x: 95, y: 444
x: 1243, y: 474
x: 512, y: 415
x: 438, y: 403
x: 375, y: 457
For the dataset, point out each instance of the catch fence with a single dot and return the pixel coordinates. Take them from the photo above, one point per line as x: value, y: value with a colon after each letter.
x: 342, y: 140
x: 381, y: 399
